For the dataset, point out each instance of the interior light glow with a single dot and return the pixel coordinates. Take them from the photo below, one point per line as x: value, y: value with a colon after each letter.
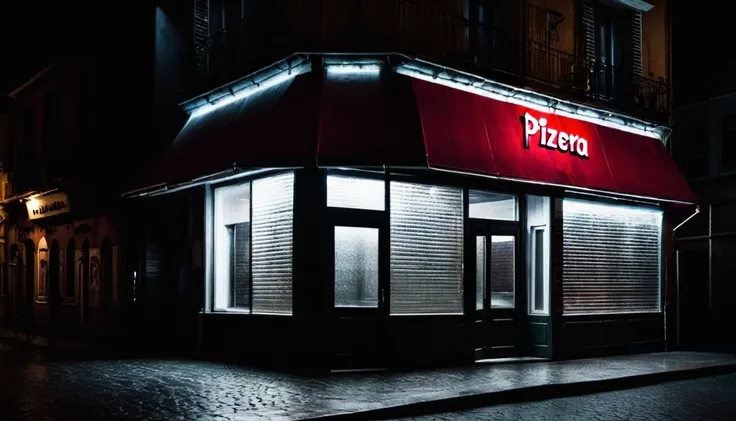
x: 258, y: 86
x: 612, y: 210
x: 582, y: 115
x: 353, y: 69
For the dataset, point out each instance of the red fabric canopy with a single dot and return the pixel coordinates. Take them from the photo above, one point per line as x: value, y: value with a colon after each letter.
x: 395, y: 120
x: 472, y: 133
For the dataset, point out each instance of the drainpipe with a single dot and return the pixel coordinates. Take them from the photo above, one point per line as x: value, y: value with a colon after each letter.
x: 677, y: 272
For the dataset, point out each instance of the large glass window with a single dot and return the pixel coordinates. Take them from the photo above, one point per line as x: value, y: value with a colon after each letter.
x: 538, y: 245
x: 503, y: 271
x: 356, y: 193
x: 232, y: 248
x: 356, y: 267
x: 426, y: 249
x: 611, y: 258
x: 253, y: 237
x: 488, y: 205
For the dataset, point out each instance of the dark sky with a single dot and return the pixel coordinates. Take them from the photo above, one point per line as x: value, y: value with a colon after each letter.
x: 31, y: 35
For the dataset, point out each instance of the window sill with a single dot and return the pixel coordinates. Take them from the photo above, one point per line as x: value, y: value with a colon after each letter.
x: 243, y: 313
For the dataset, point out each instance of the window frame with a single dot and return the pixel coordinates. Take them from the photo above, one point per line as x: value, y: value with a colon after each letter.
x: 534, y: 229
x: 210, y: 254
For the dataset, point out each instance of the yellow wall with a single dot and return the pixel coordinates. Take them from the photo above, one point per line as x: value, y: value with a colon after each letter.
x: 566, y: 29
x: 654, y: 42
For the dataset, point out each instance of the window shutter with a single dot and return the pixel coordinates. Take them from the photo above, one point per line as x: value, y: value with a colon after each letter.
x: 426, y: 249
x: 272, y: 244
x: 201, y: 33
x: 615, y: 270
x: 587, y: 26
x: 636, y: 41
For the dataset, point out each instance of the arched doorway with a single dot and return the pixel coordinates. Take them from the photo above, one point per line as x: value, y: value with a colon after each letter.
x: 54, y: 288
x: 84, y: 262
x: 106, y: 287
x: 29, y: 270
x: 16, y: 289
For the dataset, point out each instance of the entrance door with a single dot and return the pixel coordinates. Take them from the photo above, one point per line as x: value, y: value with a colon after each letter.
x: 360, y: 290
x: 497, y: 306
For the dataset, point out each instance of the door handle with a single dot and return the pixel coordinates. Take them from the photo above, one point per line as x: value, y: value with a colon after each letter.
x: 383, y: 297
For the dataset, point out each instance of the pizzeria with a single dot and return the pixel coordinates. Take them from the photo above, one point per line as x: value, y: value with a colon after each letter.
x: 381, y: 211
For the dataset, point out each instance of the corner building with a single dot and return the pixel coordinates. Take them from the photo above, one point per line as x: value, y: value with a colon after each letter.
x: 360, y: 210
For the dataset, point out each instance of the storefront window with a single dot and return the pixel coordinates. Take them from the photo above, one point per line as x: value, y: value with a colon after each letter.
x: 488, y: 205
x: 253, y: 236
x: 356, y: 193
x: 503, y: 271
x: 232, y: 242
x: 356, y: 267
x: 611, y: 258
x: 426, y: 249
x: 538, y: 247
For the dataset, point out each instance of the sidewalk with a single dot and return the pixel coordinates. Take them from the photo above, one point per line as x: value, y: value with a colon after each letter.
x: 393, y: 395
x: 146, y: 387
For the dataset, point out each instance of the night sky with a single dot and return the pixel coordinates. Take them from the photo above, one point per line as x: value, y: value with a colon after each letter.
x: 32, y: 34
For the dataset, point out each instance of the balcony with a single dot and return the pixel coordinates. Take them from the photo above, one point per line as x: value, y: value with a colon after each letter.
x: 413, y: 28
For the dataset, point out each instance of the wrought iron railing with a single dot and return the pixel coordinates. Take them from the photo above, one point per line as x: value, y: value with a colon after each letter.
x: 416, y: 28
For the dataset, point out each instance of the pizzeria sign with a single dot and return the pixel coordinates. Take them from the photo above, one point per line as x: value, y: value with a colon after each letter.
x: 48, y: 205
x: 539, y: 130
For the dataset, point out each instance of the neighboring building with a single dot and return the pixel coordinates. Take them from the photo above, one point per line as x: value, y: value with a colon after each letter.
x: 381, y: 183
x: 80, y: 130
x: 704, y: 146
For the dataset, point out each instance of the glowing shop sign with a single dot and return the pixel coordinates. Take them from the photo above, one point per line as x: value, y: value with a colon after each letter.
x: 553, y: 138
x: 49, y: 205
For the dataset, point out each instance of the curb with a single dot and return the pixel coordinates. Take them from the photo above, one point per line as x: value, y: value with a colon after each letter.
x: 527, y: 394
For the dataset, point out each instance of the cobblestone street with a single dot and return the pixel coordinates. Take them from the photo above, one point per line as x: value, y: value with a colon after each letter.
x: 710, y: 398
x: 35, y: 385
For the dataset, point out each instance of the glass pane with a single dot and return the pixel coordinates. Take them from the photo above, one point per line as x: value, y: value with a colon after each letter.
x: 502, y: 271
x: 487, y: 205
x: 355, y: 193
x: 480, y: 271
x: 538, y: 270
x: 612, y: 258
x: 273, y: 241
x: 537, y: 222
x: 356, y: 267
x: 426, y: 249
x: 232, y: 242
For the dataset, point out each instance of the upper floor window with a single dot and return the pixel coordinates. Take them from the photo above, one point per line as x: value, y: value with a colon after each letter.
x: 51, y: 120
x: 29, y: 133
x: 225, y: 13
x: 695, y: 154
x: 728, y: 143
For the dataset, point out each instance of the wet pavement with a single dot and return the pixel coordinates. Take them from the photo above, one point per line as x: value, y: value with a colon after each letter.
x: 35, y: 385
x: 710, y: 398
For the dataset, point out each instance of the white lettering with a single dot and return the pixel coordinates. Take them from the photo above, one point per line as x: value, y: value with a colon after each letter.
x: 582, y: 147
x: 553, y: 138
x: 564, y: 138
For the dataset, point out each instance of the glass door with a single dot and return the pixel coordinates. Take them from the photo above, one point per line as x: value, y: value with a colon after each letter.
x: 497, y: 315
x: 359, y: 293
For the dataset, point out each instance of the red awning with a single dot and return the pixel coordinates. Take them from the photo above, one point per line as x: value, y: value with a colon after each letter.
x: 471, y: 133
x: 395, y: 120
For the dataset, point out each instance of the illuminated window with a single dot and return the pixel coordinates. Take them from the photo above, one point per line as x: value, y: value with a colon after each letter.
x: 538, y: 241
x: 611, y: 258
x: 356, y: 267
x: 488, y: 205
x: 356, y: 193
x: 427, y: 235
x: 253, y: 243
